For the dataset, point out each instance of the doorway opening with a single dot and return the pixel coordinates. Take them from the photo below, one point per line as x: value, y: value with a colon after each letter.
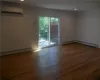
x: 48, y: 31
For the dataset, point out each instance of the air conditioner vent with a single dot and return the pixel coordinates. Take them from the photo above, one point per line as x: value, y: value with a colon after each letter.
x: 10, y: 7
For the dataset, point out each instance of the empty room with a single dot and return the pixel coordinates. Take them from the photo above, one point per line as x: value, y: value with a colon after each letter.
x: 50, y: 40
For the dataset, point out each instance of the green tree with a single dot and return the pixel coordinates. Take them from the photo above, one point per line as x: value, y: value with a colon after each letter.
x: 44, y: 23
x: 43, y: 27
x: 54, y: 19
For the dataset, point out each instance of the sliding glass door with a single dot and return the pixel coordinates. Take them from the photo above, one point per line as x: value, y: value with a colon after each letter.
x: 48, y: 31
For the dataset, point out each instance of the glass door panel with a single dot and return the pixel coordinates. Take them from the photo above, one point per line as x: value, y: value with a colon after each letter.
x: 48, y: 31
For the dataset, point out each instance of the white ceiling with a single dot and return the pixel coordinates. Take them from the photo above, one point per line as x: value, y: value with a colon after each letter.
x: 63, y: 4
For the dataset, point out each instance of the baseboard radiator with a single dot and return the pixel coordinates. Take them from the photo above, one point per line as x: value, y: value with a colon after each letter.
x: 15, y: 51
x: 82, y: 42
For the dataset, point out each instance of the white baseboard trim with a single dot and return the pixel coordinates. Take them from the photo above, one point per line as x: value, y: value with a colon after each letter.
x: 86, y: 43
x: 29, y: 49
x: 15, y: 51
x: 82, y: 42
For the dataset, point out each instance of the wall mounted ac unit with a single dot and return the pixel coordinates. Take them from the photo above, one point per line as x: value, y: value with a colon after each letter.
x: 11, y: 7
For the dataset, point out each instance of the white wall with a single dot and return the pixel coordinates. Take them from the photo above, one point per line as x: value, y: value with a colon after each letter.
x: 68, y: 26
x: 88, y: 28
x: 20, y: 32
x: 67, y: 22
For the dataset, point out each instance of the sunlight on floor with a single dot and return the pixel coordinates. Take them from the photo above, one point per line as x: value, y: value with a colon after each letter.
x: 38, y: 49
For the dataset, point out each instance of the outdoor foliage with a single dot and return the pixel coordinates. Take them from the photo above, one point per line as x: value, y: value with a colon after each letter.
x: 43, y: 27
x: 54, y: 20
x: 44, y: 23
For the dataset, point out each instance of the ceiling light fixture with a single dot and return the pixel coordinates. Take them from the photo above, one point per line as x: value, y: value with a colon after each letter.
x: 21, y: 0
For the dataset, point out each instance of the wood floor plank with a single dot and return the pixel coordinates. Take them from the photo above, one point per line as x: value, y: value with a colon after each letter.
x: 68, y: 62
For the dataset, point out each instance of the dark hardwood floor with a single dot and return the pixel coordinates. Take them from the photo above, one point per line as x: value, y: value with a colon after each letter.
x: 68, y: 62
